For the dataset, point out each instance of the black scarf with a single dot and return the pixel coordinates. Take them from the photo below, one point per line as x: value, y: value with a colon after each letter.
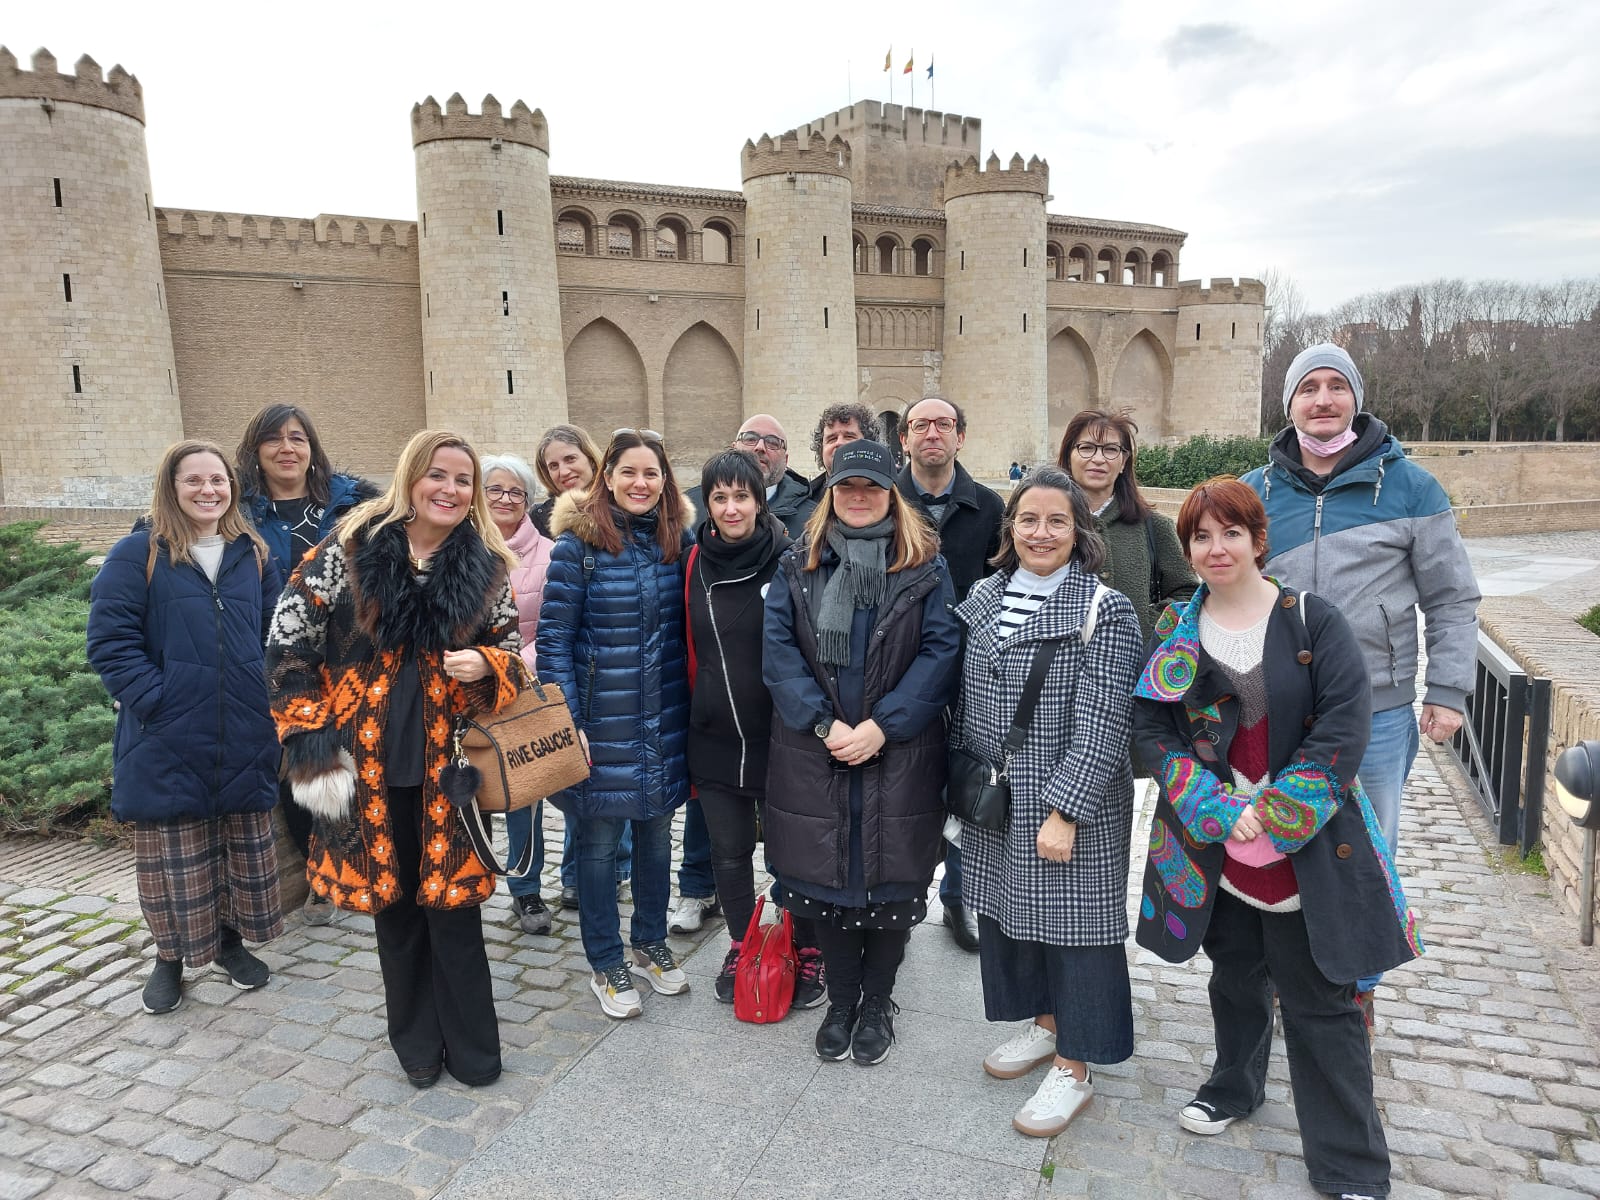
x: 443, y: 611
x: 733, y: 560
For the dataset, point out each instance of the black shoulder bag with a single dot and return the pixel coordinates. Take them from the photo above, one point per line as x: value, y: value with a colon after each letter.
x: 979, y: 793
x: 1157, y: 588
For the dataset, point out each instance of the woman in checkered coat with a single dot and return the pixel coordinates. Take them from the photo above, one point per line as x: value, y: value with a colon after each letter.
x: 1051, y: 890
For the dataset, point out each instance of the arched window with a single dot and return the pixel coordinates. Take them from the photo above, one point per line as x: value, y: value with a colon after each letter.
x: 1078, y: 260
x: 626, y: 236
x: 858, y: 253
x: 574, y: 232
x: 1055, y: 262
x: 1107, y: 266
x: 1134, y: 267
x: 922, y: 256
x: 886, y: 247
x: 716, y: 242
x: 1161, y: 270
x: 672, y: 239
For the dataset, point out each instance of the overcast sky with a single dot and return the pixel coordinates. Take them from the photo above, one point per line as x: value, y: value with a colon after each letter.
x: 1353, y: 146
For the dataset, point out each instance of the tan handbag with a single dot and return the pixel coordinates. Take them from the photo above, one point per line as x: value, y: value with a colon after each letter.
x: 524, y: 752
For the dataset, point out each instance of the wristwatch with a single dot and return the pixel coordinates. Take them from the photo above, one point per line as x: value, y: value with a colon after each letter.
x: 822, y: 728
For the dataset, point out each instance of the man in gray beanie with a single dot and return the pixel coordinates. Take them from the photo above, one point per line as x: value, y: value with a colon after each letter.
x: 1352, y: 519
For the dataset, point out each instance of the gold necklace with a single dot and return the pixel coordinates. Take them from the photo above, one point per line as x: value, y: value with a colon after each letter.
x: 417, y: 564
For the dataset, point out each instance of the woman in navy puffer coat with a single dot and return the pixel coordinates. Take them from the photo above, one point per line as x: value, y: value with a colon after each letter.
x: 177, y: 617
x: 611, y: 633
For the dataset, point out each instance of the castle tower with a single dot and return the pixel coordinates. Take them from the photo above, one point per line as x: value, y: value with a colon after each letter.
x: 88, y: 393
x: 799, y: 307
x: 486, y: 256
x: 1216, y: 359
x: 994, y: 320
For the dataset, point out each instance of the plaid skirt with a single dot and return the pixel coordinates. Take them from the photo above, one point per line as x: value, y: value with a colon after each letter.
x: 197, y: 874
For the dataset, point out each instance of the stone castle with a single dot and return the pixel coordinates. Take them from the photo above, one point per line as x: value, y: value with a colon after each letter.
x: 874, y: 254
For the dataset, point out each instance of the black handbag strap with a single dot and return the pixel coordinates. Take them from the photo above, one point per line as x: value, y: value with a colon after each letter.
x: 482, y: 844
x: 1043, y: 656
x: 1157, y: 589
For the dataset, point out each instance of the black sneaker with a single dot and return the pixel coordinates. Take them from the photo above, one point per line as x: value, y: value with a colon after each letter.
x: 244, y: 970
x: 811, y: 983
x: 725, y: 977
x: 875, y: 1034
x: 532, y: 915
x: 163, y: 991
x: 833, y: 1038
x: 569, y: 898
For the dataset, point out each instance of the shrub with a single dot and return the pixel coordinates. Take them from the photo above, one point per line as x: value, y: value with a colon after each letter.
x: 55, y: 741
x: 1199, y: 458
x: 1591, y: 620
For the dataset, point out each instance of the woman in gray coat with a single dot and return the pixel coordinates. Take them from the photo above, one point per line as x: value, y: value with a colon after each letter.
x: 1051, y: 890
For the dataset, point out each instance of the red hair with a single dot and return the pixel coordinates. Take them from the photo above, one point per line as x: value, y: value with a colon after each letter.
x: 1231, y: 503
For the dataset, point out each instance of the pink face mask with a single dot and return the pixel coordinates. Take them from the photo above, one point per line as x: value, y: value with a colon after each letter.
x: 1318, y: 448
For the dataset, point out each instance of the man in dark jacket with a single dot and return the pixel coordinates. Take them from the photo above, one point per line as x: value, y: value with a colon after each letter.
x: 967, y: 516
x: 839, y: 425
x: 789, y: 496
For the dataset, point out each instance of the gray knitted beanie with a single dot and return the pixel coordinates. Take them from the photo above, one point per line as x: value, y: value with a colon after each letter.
x: 1324, y: 354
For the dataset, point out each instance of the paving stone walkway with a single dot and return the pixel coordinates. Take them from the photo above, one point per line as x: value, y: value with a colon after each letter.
x: 1488, y: 1074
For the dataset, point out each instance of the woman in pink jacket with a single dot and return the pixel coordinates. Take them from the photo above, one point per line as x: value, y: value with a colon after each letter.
x: 508, y: 483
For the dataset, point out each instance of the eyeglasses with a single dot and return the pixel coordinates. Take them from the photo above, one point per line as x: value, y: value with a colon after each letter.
x: 515, y: 494
x: 921, y: 424
x: 196, y: 482
x: 1056, y: 525
x: 1110, y: 451
x: 770, y: 440
x: 649, y: 435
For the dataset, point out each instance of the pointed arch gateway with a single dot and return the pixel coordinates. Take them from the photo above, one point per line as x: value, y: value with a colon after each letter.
x: 1070, y: 377
x: 1142, y: 383
x: 703, y: 394
x: 605, y: 381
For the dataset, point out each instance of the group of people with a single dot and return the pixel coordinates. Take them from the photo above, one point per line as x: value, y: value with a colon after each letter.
x: 795, y: 661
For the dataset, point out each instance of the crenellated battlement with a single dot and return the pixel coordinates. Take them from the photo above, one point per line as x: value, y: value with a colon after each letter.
x: 118, y: 91
x: 1222, y: 290
x: 915, y: 126
x: 813, y: 154
x: 324, y: 229
x: 967, y: 178
x: 524, y: 126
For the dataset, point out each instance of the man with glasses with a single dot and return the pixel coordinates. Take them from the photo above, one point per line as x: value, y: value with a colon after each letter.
x: 788, y: 493
x: 839, y: 425
x: 967, y: 517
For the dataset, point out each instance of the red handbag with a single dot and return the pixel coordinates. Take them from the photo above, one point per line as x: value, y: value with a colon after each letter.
x: 763, y: 981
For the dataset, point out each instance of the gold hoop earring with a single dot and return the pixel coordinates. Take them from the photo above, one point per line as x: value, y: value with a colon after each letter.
x: 411, y: 515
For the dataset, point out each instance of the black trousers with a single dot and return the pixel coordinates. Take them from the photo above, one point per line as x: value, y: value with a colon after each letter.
x: 1330, y: 1061
x: 730, y: 815
x: 296, y: 819
x: 436, y: 984
x: 860, y: 962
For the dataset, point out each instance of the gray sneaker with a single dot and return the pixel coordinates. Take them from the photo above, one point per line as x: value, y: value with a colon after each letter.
x: 317, y: 910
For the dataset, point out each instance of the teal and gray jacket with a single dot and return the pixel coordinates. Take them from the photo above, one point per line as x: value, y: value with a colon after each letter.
x: 1377, y: 538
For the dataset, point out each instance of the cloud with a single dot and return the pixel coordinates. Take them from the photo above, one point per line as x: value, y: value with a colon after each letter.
x: 1192, y: 44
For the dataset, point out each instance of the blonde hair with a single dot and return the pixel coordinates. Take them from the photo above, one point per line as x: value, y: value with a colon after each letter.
x: 914, y: 544
x: 394, y: 506
x: 172, y: 530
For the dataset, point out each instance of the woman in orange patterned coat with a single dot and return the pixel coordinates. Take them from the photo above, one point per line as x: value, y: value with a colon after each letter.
x: 402, y: 618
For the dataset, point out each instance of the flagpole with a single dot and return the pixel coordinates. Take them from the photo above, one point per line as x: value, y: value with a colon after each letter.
x: 849, y: 92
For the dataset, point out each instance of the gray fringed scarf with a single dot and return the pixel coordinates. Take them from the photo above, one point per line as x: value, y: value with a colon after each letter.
x: 859, y: 582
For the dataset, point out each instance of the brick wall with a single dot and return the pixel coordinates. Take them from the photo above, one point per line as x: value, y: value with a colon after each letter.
x: 1476, y: 473
x: 1545, y: 642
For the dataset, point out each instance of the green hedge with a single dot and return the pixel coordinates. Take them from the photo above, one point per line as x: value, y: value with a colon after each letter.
x: 1198, y: 459
x: 55, y: 741
x: 1591, y: 620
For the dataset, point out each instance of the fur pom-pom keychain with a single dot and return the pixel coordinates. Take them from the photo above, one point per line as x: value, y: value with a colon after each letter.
x: 460, y: 780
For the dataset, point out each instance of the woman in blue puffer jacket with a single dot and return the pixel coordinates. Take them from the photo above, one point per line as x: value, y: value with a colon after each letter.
x: 177, y: 617
x: 611, y: 633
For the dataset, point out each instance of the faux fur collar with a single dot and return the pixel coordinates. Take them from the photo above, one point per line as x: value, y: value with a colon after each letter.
x: 445, y: 611
x: 566, y: 517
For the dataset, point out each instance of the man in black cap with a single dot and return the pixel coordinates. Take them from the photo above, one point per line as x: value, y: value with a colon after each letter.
x: 967, y: 516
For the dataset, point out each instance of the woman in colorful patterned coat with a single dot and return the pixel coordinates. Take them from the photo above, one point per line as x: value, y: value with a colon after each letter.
x: 1254, y: 711
x: 400, y: 620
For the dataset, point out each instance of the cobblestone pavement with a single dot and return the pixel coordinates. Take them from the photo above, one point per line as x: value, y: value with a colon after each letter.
x: 291, y: 1090
x: 1563, y: 569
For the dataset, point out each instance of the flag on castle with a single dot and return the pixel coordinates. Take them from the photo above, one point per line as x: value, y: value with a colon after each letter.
x: 910, y: 64
x: 930, y: 68
x: 888, y: 58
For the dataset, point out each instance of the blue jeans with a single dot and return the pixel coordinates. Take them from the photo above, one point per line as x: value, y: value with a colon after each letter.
x: 598, y: 918
x: 1390, y: 752
x: 569, y: 854
x: 519, y: 825
x: 694, y: 874
x: 950, y: 885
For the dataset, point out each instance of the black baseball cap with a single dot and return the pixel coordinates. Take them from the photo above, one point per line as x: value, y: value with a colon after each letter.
x: 863, y: 460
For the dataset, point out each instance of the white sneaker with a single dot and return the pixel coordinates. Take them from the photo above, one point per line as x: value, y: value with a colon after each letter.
x: 1033, y: 1046
x: 1198, y: 1116
x: 1059, y: 1098
x: 616, y: 993
x: 691, y: 912
x: 654, y: 964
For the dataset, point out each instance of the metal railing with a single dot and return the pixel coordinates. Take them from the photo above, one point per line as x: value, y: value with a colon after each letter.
x: 1503, y: 743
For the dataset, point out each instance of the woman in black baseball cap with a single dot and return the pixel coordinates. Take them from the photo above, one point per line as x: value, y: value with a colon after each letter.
x: 862, y: 656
